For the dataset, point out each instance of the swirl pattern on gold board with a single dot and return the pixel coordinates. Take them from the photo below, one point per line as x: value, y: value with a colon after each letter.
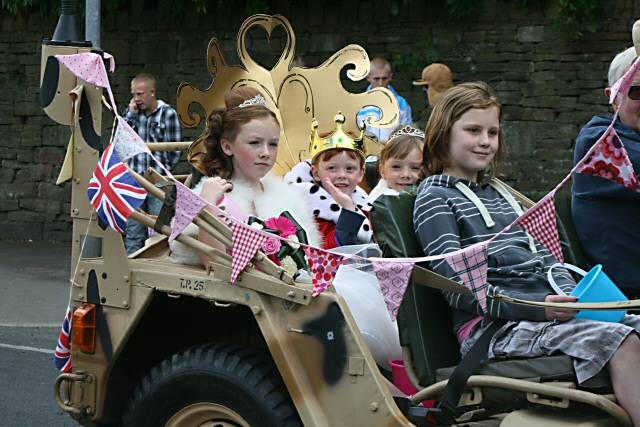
x: 296, y: 94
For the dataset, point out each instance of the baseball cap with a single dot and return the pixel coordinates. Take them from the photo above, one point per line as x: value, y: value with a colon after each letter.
x: 438, y: 77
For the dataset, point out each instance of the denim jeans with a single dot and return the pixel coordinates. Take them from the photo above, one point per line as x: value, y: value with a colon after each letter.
x: 136, y: 233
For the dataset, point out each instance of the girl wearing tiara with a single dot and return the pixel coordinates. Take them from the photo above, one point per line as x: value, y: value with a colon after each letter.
x: 242, y: 144
x: 400, y: 162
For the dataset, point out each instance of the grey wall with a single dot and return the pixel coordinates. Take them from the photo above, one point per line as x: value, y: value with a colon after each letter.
x: 550, y: 86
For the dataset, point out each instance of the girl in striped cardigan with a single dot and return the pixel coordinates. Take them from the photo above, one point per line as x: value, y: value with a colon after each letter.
x: 458, y: 206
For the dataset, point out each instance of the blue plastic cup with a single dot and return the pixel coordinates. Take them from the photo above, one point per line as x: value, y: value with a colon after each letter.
x: 596, y: 286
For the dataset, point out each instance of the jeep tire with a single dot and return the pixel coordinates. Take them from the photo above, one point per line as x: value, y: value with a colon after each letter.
x: 213, y: 383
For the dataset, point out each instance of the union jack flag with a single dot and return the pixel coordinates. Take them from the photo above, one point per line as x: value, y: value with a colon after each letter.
x: 113, y: 191
x: 62, y: 355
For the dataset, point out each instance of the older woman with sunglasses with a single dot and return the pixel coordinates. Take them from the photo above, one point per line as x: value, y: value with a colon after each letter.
x: 606, y: 215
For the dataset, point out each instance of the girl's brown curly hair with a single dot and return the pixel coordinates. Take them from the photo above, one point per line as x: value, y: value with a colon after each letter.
x: 225, y: 124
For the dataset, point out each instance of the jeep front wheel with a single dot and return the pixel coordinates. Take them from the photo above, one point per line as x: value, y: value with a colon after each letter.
x: 213, y: 385
x: 200, y: 413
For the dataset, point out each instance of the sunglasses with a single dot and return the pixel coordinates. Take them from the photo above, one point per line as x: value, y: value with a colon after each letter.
x: 634, y: 93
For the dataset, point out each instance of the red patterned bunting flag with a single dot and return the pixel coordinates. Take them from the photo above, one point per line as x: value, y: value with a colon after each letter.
x: 609, y: 160
x: 540, y: 222
x: 471, y: 267
x: 393, y: 278
x: 324, y: 266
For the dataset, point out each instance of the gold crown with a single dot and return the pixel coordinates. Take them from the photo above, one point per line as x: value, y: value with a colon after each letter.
x: 336, y: 139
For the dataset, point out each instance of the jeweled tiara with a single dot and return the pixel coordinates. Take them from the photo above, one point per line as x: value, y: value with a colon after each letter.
x: 409, y: 131
x: 256, y: 100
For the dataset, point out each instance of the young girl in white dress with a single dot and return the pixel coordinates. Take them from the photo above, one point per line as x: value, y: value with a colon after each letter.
x: 242, y: 144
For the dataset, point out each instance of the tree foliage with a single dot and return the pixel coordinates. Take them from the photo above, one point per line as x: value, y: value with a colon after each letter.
x: 168, y: 9
x: 578, y: 17
x: 575, y: 17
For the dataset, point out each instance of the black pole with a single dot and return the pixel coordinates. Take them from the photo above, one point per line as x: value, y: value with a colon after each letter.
x: 67, y: 29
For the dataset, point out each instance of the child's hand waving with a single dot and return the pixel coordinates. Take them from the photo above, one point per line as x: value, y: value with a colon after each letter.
x: 214, y: 189
x: 559, y: 314
x: 342, y: 199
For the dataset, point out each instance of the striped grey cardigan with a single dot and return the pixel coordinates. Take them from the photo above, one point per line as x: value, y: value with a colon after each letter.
x: 445, y: 220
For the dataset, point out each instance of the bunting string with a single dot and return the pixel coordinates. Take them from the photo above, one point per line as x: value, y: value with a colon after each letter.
x: 469, y: 262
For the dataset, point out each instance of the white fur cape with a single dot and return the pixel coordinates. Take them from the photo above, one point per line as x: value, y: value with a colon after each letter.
x: 276, y: 198
x: 323, y: 205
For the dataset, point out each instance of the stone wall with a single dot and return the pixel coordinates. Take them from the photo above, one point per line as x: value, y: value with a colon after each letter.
x: 550, y: 86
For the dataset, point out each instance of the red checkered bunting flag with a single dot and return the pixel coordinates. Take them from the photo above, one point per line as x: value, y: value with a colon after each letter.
x: 246, y: 242
x: 393, y: 277
x: 540, y: 222
x: 471, y: 267
x: 609, y: 160
x: 324, y: 266
x: 188, y: 205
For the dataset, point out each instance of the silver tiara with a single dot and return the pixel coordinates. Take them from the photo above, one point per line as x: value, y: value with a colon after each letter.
x: 409, y: 131
x: 256, y: 100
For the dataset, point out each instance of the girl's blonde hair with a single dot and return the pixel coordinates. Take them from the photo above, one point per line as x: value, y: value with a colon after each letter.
x: 450, y: 107
x: 225, y: 124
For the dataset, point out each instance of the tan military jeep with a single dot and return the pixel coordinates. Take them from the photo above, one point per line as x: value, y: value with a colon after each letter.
x: 155, y: 343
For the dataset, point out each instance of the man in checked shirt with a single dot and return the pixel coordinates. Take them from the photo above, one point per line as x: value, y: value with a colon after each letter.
x: 155, y: 121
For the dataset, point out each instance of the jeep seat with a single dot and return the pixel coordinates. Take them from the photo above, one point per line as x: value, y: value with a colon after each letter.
x: 424, y: 318
x: 571, y: 247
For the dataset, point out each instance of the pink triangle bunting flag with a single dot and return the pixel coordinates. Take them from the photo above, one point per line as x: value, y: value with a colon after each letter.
x: 127, y: 142
x: 471, y: 267
x: 609, y: 160
x: 231, y: 208
x: 188, y: 205
x: 246, y: 242
x: 89, y: 67
x: 394, y: 278
x: 540, y: 222
x: 324, y: 266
